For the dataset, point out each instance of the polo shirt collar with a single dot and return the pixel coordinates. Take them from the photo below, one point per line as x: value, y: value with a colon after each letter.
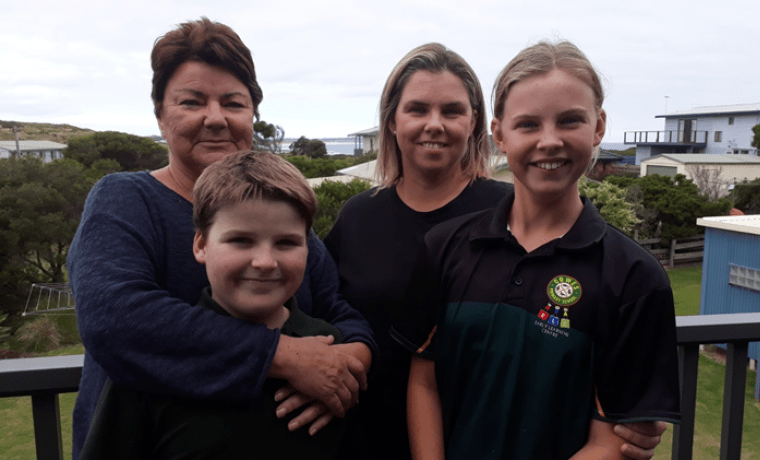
x: 587, y: 230
x: 296, y: 323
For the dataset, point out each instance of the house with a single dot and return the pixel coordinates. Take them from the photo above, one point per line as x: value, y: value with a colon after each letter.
x: 605, y: 164
x: 366, y: 141
x: 733, y: 168
x: 716, y: 172
x: 46, y: 150
x: 716, y: 130
x: 731, y: 270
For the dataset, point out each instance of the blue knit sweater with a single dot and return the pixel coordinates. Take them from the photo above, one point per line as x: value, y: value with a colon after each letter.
x: 136, y: 281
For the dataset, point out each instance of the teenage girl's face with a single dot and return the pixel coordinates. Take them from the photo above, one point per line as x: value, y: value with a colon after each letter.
x: 548, y: 131
x: 433, y: 123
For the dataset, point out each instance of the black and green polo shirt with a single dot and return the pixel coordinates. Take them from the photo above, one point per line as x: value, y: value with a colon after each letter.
x: 530, y: 346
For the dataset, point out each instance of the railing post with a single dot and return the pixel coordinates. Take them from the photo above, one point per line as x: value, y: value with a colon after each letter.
x: 47, y: 425
x: 733, y: 401
x: 683, y: 433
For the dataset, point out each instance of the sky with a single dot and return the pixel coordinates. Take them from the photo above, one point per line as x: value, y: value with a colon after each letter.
x: 322, y: 64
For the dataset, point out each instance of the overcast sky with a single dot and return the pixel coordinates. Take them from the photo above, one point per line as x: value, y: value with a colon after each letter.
x: 322, y: 64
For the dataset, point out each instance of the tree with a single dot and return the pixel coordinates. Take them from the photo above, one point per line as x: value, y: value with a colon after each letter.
x: 312, y: 148
x: 747, y: 196
x: 40, y: 208
x: 132, y: 153
x: 332, y: 196
x: 609, y: 200
x: 756, y: 137
x: 709, y: 181
x: 268, y: 136
x: 670, y: 205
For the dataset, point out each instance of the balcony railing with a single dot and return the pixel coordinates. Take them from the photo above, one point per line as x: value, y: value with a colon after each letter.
x: 696, y: 138
x: 44, y: 378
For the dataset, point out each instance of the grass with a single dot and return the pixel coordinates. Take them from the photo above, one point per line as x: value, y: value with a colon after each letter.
x: 686, y: 283
x: 17, y: 441
x: 709, y: 416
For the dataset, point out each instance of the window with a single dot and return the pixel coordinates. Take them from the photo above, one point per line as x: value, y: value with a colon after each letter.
x: 730, y: 120
x: 669, y: 171
x: 718, y: 136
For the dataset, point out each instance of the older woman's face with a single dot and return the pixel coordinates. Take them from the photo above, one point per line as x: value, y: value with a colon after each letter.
x: 206, y: 113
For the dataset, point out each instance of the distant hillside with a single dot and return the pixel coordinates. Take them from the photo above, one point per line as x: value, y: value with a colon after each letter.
x: 40, y: 131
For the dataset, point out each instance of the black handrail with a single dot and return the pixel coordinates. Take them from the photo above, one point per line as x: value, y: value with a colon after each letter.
x: 736, y: 330
x: 44, y: 378
x: 665, y: 137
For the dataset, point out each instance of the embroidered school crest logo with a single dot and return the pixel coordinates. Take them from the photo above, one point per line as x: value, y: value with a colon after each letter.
x: 564, y: 290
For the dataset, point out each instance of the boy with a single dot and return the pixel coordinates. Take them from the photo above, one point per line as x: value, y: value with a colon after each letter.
x: 252, y: 213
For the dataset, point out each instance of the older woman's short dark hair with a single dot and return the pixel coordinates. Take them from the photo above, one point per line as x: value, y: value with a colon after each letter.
x: 203, y: 41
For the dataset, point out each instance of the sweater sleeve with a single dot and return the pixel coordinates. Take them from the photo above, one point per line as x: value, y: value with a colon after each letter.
x: 130, y: 267
x: 320, y: 288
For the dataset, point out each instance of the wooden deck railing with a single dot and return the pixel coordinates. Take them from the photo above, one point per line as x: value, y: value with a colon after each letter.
x: 44, y: 378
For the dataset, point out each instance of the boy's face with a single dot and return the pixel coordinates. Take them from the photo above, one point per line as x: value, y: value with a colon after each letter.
x: 255, y: 255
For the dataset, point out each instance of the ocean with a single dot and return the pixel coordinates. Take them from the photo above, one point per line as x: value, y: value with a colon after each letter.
x: 346, y: 147
x: 334, y: 146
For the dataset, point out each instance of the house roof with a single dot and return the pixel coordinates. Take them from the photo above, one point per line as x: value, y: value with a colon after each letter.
x: 714, y: 110
x: 704, y: 158
x: 608, y: 157
x: 366, y: 132
x: 743, y: 224
x: 26, y: 146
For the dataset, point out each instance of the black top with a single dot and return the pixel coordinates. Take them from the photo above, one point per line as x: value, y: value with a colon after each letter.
x: 374, y: 243
x: 131, y: 424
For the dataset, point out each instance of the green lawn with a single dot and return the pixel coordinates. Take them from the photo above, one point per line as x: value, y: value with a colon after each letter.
x: 17, y: 441
x: 710, y: 413
x: 686, y: 284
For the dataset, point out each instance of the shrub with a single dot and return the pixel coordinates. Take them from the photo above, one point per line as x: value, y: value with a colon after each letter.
x: 5, y: 331
x: 38, y: 336
x: 332, y: 196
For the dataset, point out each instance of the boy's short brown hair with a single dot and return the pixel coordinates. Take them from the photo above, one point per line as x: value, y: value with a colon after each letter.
x: 250, y: 175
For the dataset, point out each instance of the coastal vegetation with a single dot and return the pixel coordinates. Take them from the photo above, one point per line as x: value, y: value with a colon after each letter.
x: 40, y: 131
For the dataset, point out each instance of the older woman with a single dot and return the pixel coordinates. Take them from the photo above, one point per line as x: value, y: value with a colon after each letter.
x: 134, y: 276
x: 433, y: 166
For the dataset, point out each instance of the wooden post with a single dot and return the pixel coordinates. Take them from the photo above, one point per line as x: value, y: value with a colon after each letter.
x: 672, y: 252
x: 18, y: 149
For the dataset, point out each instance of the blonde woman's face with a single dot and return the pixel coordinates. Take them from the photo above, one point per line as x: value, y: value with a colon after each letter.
x: 433, y: 123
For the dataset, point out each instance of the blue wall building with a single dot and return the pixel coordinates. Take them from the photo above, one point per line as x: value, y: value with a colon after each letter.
x: 731, y: 269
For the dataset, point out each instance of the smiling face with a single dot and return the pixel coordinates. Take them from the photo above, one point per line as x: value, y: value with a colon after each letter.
x: 433, y: 123
x: 206, y: 113
x: 255, y: 254
x: 548, y: 130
